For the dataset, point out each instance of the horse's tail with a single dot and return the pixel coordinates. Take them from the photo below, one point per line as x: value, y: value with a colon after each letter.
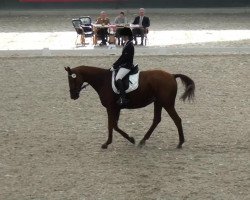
x: 189, y: 87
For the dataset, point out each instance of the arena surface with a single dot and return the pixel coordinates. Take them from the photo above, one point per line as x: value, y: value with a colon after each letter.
x: 50, y: 144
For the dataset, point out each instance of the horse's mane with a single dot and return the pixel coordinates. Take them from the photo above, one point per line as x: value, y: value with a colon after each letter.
x: 89, y: 68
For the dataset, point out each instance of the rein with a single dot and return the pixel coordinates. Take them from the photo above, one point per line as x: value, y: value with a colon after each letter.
x: 84, y: 86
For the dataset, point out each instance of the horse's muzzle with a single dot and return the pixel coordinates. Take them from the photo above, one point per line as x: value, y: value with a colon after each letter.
x: 74, y: 98
x: 74, y: 95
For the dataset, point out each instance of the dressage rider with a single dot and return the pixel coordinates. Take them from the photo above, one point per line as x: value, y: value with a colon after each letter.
x: 124, y: 63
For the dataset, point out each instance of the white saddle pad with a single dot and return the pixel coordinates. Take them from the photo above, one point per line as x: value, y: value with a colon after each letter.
x: 133, y: 82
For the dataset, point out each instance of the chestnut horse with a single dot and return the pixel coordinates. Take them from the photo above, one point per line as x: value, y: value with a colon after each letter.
x: 155, y: 86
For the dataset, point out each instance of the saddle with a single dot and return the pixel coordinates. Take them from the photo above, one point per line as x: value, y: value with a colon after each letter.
x: 130, y: 81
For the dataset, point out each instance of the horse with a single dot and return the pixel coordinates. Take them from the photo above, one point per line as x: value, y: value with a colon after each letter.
x: 155, y: 86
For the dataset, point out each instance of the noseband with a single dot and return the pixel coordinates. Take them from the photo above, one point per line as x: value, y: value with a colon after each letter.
x: 78, y: 91
x: 82, y: 87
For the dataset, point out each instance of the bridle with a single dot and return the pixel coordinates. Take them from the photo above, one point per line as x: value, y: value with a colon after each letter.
x: 84, y: 86
x: 75, y: 90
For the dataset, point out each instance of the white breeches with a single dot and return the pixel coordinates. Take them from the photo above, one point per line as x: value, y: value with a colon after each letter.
x: 121, y: 73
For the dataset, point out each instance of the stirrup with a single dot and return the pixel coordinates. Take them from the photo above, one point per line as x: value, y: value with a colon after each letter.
x: 122, y: 101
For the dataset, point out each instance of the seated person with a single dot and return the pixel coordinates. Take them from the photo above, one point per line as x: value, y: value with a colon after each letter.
x: 103, y: 32
x: 120, y: 20
x: 143, y: 23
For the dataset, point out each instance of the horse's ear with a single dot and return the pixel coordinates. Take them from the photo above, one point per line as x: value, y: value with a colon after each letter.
x: 68, y: 69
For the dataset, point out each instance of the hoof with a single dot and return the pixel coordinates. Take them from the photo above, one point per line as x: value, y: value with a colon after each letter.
x: 180, y: 144
x: 132, y: 140
x: 104, y: 146
x: 142, y: 143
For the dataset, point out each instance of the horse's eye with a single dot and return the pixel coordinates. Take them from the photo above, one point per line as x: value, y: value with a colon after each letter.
x: 73, y: 75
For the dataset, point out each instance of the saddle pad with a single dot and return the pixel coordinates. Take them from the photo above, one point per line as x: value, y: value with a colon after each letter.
x: 133, y: 82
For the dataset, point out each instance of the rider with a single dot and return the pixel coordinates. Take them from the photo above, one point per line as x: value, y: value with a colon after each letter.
x: 124, y: 63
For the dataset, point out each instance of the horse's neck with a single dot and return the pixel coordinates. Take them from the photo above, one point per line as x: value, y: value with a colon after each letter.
x: 94, y: 76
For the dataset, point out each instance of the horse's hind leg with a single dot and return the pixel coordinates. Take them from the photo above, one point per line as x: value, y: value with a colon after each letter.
x: 156, y: 121
x: 177, y: 120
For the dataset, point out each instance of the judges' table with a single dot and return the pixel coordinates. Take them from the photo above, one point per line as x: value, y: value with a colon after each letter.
x: 97, y: 27
x: 112, y: 29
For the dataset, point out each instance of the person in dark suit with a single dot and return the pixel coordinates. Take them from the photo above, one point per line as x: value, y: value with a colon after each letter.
x: 143, y: 22
x: 124, y: 63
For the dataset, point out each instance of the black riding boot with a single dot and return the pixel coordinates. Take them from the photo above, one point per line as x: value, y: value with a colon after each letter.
x: 122, y: 101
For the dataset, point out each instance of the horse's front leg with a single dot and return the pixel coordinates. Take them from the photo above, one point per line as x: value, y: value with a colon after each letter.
x: 125, y: 135
x: 110, y: 130
x: 112, y: 115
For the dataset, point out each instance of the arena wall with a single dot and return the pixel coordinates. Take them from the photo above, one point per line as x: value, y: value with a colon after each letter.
x: 115, y: 4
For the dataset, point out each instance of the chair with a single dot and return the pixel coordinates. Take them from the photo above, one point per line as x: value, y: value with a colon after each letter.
x: 79, y: 30
x: 86, y: 24
x: 83, y: 28
x: 137, y: 34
